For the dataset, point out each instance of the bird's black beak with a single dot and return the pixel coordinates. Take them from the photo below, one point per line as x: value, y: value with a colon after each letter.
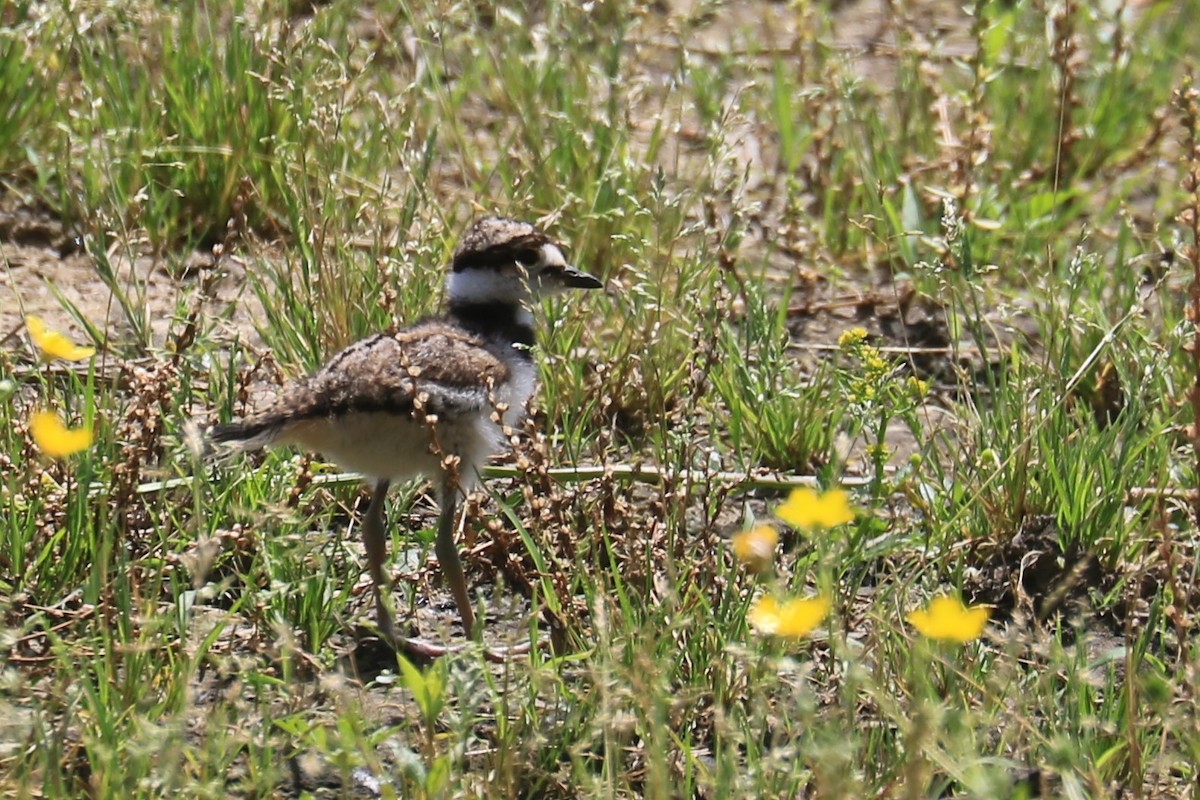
x: 572, y: 278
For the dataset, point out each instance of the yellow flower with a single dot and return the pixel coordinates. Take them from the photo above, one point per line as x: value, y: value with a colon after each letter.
x: 755, y: 547
x: 946, y: 618
x: 852, y: 337
x: 53, y: 344
x: 54, y: 438
x: 794, y: 618
x: 879, y: 451
x: 805, y: 509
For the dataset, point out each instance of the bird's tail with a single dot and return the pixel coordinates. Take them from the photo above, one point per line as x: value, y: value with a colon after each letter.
x: 250, y: 434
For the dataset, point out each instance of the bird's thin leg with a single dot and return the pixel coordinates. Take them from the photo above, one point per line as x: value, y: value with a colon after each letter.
x: 374, y: 533
x: 447, y: 554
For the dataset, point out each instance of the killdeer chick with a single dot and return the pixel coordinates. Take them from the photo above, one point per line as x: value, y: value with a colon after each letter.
x: 431, y: 399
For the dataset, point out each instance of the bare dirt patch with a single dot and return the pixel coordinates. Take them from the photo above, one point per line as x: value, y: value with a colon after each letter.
x: 46, y: 271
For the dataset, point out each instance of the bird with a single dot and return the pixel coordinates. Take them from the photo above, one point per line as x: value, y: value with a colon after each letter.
x: 432, y: 399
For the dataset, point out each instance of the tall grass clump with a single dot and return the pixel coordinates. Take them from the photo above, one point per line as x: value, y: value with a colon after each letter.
x: 180, y: 128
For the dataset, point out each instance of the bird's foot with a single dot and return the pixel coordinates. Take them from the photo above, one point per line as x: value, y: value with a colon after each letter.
x: 424, y: 649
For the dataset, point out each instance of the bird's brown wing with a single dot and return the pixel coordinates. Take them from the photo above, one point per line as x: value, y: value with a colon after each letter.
x: 431, y: 364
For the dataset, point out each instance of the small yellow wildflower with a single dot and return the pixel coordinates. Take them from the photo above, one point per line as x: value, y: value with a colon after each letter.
x: 875, y: 362
x: 947, y: 619
x: 805, y: 509
x: 54, y: 438
x: 879, y: 451
x: 794, y: 618
x: 852, y: 337
x: 52, y: 344
x: 755, y: 547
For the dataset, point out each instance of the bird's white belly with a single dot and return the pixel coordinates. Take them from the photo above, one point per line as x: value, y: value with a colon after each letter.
x: 517, y: 390
x: 382, y: 445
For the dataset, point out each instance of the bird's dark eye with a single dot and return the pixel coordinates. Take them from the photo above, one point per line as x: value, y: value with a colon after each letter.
x: 527, y: 257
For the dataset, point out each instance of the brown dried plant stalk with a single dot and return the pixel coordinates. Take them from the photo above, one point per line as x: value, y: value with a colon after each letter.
x: 1067, y: 59
x: 1187, y: 98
